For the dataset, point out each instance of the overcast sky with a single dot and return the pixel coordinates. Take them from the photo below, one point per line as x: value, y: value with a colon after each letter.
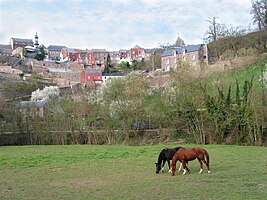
x: 116, y: 24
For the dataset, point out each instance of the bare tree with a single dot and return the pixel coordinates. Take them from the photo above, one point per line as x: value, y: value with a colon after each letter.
x: 259, y: 12
x: 215, y: 30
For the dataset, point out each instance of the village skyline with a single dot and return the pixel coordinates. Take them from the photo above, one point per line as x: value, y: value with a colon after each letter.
x: 118, y: 24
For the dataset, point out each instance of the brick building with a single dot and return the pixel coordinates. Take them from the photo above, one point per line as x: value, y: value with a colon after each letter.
x: 19, y: 42
x: 89, y: 75
x: 54, y: 52
x: 137, y: 53
x: 194, y: 54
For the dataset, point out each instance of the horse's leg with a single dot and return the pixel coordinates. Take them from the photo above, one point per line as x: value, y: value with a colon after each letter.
x: 207, y: 165
x: 185, y: 167
x: 181, y: 164
x: 201, y: 166
x: 168, y: 161
x: 162, y: 168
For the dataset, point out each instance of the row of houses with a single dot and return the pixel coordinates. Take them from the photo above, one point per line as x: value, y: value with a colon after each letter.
x: 60, y: 53
x: 96, y: 58
x: 193, y: 54
x: 97, y: 76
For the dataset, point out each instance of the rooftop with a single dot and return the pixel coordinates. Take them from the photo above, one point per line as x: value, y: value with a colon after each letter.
x: 55, y: 47
x: 29, y: 104
x: 91, y: 71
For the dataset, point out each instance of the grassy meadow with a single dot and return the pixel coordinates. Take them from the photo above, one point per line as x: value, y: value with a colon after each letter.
x: 128, y: 172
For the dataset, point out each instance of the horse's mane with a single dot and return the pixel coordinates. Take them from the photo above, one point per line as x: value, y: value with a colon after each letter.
x: 177, y: 148
x: 161, y: 155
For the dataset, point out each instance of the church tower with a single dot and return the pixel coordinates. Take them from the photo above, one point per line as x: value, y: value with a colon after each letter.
x: 36, y: 44
x: 179, y: 42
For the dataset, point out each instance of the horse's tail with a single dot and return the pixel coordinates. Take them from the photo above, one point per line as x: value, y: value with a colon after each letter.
x: 207, y: 156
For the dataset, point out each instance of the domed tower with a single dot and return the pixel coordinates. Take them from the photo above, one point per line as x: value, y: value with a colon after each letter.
x: 36, y: 44
x: 179, y: 42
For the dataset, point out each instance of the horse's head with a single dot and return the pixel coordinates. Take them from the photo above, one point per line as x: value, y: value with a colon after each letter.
x: 158, y: 167
x: 173, y: 169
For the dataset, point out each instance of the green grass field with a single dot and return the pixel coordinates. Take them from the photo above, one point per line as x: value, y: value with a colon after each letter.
x: 128, y: 172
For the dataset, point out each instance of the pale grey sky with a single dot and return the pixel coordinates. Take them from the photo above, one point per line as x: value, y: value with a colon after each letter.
x: 116, y: 24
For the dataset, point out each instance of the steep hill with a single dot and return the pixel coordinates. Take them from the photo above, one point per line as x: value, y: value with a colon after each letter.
x: 230, y: 47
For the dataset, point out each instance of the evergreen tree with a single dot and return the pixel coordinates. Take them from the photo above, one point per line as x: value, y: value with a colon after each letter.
x: 134, y: 64
x: 40, y: 54
x: 108, y: 64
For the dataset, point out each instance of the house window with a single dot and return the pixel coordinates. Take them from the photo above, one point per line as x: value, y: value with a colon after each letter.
x: 88, y: 77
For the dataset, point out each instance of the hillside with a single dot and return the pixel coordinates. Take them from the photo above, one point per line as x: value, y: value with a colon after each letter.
x: 227, y: 48
x: 220, y: 103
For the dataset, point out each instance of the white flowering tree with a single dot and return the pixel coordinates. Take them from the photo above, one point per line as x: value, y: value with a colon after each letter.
x: 45, y: 94
x: 122, y: 98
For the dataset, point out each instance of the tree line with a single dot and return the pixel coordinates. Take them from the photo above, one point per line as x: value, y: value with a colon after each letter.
x: 229, y: 107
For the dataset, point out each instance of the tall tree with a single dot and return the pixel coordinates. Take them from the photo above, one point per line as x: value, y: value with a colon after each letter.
x: 134, y: 64
x: 215, y: 30
x: 259, y: 13
x: 40, y: 54
x: 108, y: 64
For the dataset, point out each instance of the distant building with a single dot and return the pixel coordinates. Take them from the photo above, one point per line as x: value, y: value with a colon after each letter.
x: 69, y: 54
x: 179, y: 42
x: 18, y: 42
x: 170, y: 58
x: 123, y: 55
x: 54, y: 52
x: 194, y: 54
x: 32, y: 108
x: 100, y: 56
x: 89, y: 75
x: 137, y: 53
x: 107, y: 76
x: 36, y: 44
x: 5, y: 50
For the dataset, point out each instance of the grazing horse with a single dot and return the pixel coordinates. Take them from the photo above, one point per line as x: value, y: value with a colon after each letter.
x: 187, y: 154
x: 166, y: 155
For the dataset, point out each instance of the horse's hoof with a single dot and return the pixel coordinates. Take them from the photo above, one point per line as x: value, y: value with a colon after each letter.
x: 209, y: 172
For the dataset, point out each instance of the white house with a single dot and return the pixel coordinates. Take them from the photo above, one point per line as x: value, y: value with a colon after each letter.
x: 106, y: 76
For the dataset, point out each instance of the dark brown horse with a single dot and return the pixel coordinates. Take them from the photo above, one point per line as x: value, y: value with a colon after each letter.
x: 187, y: 154
x: 166, y: 155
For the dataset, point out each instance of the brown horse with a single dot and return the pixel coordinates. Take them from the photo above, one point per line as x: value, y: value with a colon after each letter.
x: 184, y: 155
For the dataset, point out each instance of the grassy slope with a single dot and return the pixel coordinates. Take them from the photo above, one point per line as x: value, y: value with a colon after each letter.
x: 227, y: 78
x: 128, y: 172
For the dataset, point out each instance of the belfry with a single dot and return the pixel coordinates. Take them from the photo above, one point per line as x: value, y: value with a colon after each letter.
x: 36, y: 44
